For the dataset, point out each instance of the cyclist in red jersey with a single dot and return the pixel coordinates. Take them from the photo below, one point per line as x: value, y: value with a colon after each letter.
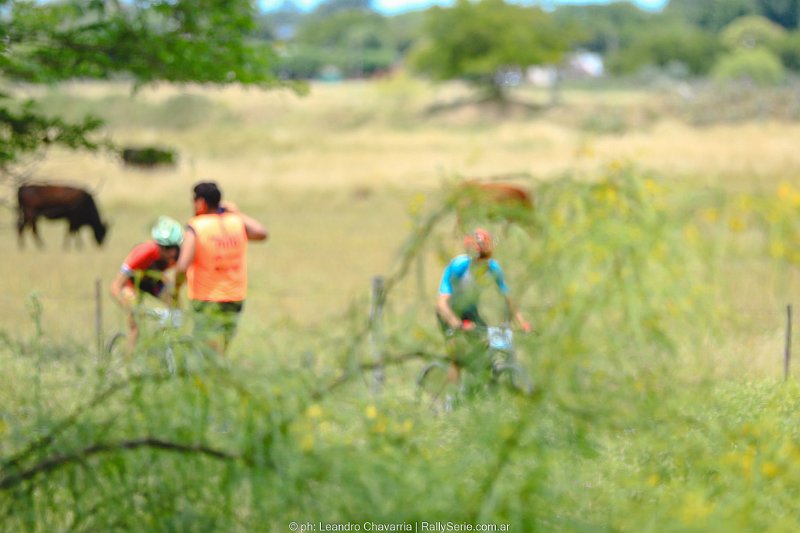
x: 142, y: 271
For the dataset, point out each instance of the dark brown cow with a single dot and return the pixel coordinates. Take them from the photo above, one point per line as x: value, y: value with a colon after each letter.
x: 492, y: 201
x: 58, y: 201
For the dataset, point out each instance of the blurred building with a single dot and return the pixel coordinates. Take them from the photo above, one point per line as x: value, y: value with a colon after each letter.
x: 578, y: 65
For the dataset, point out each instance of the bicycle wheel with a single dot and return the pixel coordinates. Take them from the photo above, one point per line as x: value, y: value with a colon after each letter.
x: 515, y: 377
x: 116, y: 347
x: 116, y: 354
x: 434, y: 388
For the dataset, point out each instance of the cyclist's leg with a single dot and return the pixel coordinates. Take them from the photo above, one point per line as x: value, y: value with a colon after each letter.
x: 128, y: 294
x: 231, y: 311
x: 474, y: 355
x: 451, y: 348
x: 216, y: 322
x: 136, y: 296
x: 133, y: 332
x: 434, y: 388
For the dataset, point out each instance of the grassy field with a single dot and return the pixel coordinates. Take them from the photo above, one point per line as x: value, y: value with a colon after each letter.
x: 657, y: 272
x: 334, y: 174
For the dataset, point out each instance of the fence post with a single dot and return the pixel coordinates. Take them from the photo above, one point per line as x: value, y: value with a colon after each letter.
x: 787, y: 351
x: 376, y: 332
x: 98, y: 315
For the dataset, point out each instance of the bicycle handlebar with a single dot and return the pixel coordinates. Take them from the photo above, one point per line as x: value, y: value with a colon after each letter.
x: 497, y: 337
x: 475, y: 327
x: 171, y: 318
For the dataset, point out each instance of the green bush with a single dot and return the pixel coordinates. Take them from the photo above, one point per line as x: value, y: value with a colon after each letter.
x: 751, y: 32
x: 664, y: 45
x: 302, y: 62
x: 619, y: 266
x: 788, y: 49
x: 149, y: 157
x: 758, y: 66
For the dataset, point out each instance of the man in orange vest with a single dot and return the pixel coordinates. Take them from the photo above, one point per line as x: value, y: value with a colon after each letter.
x: 214, y: 258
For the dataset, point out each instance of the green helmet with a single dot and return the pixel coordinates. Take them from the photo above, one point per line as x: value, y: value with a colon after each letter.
x: 167, y: 232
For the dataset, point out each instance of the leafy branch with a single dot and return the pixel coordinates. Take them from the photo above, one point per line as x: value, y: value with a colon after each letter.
x: 59, y: 461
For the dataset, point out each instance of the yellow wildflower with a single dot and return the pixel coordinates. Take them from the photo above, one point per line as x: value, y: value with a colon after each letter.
x: 314, y: 411
x: 201, y: 386
x: 696, y: 509
x: 307, y: 444
x: 769, y: 469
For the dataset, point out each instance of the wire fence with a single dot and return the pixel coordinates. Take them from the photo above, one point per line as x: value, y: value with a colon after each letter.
x: 90, y: 316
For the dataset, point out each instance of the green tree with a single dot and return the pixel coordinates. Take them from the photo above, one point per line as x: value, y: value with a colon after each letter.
x: 783, y: 12
x: 716, y: 14
x: 751, y: 32
x: 357, y: 41
x: 142, y: 40
x: 330, y: 7
x: 788, y: 50
x: 712, y: 15
x: 603, y: 28
x: 476, y: 41
x: 406, y: 29
x: 664, y: 43
x: 278, y: 24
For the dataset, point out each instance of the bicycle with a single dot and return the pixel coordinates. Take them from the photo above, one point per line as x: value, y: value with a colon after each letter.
x: 491, y: 361
x: 163, y: 325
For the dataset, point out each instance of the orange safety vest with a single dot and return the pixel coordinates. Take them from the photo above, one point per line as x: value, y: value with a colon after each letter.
x: 219, y: 270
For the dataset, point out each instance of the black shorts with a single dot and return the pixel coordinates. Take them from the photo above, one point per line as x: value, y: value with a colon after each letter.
x: 216, y: 318
x: 151, y: 286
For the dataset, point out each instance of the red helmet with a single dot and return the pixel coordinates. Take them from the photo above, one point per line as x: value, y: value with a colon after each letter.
x: 479, y: 243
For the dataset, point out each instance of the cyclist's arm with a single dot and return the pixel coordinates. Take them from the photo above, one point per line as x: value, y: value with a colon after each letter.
x: 169, y: 295
x: 188, y: 248
x: 517, y: 315
x: 180, y: 279
x: 513, y: 312
x: 446, y: 312
x: 122, y: 294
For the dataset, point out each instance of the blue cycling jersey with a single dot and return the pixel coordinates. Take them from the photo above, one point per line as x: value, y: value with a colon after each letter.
x: 464, y: 280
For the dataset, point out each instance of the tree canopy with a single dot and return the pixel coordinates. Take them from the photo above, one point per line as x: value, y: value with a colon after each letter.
x: 230, y: 41
x: 471, y: 39
x: 357, y: 41
x: 603, y: 28
x: 144, y: 41
x: 673, y: 44
x: 710, y: 15
x: 475, y: 41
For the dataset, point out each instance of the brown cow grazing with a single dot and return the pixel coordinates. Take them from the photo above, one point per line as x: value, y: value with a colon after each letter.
x: 492, y: 201
x: 58, y: 201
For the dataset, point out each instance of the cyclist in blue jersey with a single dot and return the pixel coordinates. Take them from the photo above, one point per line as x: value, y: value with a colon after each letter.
x: 462, y: 282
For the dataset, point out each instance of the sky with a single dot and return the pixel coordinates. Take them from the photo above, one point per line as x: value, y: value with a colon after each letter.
x: 399, y: 6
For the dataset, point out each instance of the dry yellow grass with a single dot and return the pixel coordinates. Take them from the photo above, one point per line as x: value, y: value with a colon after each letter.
x: 348, y: 135
x: 331, y: 175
